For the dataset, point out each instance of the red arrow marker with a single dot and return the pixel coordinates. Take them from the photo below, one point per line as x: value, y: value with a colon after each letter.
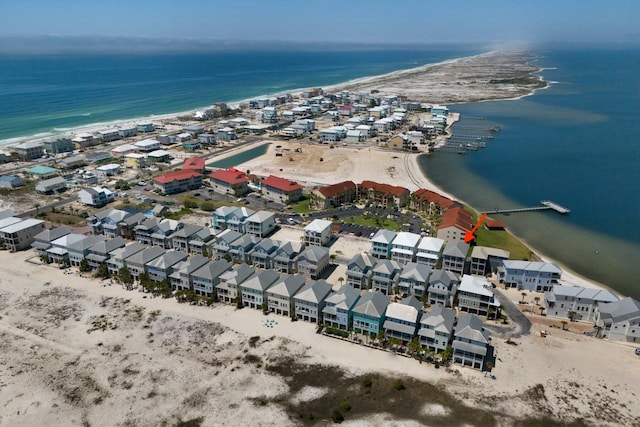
x: 468, y: 236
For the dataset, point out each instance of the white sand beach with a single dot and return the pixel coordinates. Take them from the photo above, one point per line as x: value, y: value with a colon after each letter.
x: 78, y: 350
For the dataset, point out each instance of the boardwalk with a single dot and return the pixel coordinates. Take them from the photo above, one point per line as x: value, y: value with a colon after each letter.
x: 546, y: 205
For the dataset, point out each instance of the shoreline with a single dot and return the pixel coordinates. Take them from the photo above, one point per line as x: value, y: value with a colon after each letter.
x: 360, y: 81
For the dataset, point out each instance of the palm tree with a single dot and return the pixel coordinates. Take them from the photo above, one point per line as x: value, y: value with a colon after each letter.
x: 536, y: 299
x: 564, y: 325
x: 542, y: 309
x: 489, y: 365
x: 341, y: 280
x: 36, y: 206
x: 524, y: 295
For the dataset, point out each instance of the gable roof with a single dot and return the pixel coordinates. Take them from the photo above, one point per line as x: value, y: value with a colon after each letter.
x: 167, y: 259
x: 457, y: 217
x: 543, y: 267
x: 313, y: 253
x: 385, y: 188
x: 432, y: 197
x: 196, y: 163
x: 619, y: 311
x: 314, y: 292
x: 418, y: 272
x: 440, y: 319
x: 344, y: 298
x: 363, y: 261
x: 594, y: 294
x: 484, y: 252
x: 48, y: 235
x: 178, y: 175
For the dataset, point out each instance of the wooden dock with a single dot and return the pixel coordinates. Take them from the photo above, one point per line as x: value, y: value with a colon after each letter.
x: 545, y: 205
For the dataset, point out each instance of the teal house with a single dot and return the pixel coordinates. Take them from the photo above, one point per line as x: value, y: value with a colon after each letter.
x: 369, y: 313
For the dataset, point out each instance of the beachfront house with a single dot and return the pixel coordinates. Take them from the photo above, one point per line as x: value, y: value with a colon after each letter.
x: 262, y: 252
x: 117, y: 257
x: 360, y: 270
x: 137, y: 263
x: 454, y: 256
x: 456, y: 222
x: 126, y: 227
x: 485, y: 260
x: 162, y: 232
x: 404, y: 247
x: 253, y: 290
x: 318, y: 232
x: 181, y: 238
x: 280, y: 295
x: 182, y: 276
x: 530, y: 276
x: 436, y: 328
x: 619, y: 320
x: 58, y: 252
x: 206, y: 278
x: 443, y: 286
x: 309, y: 301
x: 471, y: 342
x: 230, y: 281
x: 385, y: 276
x: 429, y: 251
x: 369, y: 313
x: 338, y: 309
x: 20, y: 235
x: 95, y: 197
x: 381, y: 243
x: 99, y: 253
x: 161, y: 267
x: 414, y: 279
x: 575, y: 302
x: 144, y: 230
x: 202, y: 242
x: 42, y: 241
x: 106, y: 221
x: 402, y: 319
x: 80, y: 249
x: 475, y: 295
x: 313, y: 261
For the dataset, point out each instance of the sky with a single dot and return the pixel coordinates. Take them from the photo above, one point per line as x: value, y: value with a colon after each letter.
x: 352, y: 21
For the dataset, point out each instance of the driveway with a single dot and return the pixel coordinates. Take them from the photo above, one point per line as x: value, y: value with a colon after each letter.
x: 520, y: 324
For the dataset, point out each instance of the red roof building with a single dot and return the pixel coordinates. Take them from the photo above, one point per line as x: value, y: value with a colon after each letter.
x: 455, y: 224
x: 494, y: 224
x: 431, y: 202
x: 384, y: 194
x: 194, y: 163
x: 229, y: 181
x: 335, y: 194
x: 178, y: 181
x: 281, y: 189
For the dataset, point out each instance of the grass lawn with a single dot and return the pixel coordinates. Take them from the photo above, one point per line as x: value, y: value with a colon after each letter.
x: 302, y: 206
x: 62, y: 218
x: 373, y: 221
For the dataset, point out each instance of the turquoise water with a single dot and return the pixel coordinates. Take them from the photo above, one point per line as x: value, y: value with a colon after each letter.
x: 50, y: 94
x: 575, y: 143
x: 240, y: 158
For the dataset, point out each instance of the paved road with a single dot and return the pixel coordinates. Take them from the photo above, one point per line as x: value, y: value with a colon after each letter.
x: 520, y: 321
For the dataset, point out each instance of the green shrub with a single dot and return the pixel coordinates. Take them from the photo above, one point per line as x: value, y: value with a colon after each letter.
x: 398, y: 385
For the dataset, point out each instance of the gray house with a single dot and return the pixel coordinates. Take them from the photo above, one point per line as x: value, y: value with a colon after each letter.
x: 443, y: 286
x: 144, y: 230
x: 161, y: 267
x: 402, y: 319
x: 414, y: 279
x: 454, y: 256
x: 253, y: 290
x: 436, y: 328
x: 312, y: 261
x: 360, y: 270
x: 310, y: 300
x: 576, y: 302
x: 471, y: 342
x: 381, y: 243
x: 385, y: 276
x: 368, y: 313
x: 206, y: 278
x: 240, y: 248
x: 338, y: 309
x: 280, y: 295
x: 181, y: 278
x: 117, y: 256
x: 180, y: 239
x: 230, y: 281
x: 619, y: 320
x: 260, y: 224
x: 80, y: 249
x: 100, y: 252
x: 284, y: 258
x: 262, y: 252
x: 42, y: 241
x: 137, y: 263
x: 223, y: 243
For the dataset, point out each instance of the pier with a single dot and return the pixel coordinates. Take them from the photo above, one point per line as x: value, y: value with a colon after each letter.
x: 544, y: 205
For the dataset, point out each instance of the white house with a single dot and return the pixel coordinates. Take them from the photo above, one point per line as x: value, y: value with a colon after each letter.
x: 318, y: 232
x: 619, y: 320
x: 96, y: 196
x: 404, y: 247
x: 475, y: 296
x: 429, y: 251
x: 530, y: 276
x: 575, y: 302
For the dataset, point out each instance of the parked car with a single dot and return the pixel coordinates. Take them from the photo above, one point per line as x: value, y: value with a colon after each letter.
x: 638, y: 351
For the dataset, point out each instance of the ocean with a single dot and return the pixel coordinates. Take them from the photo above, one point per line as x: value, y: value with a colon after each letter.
x: 575, y: 143
x: 51, y: 94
